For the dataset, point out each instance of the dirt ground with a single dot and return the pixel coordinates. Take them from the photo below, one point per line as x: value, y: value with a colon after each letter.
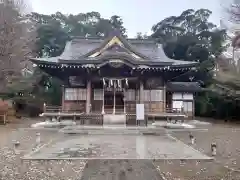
x: 226, y: 136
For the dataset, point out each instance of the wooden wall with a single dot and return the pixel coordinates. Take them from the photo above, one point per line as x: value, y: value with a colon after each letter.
x: 71, y: 106
x: 154, y: 107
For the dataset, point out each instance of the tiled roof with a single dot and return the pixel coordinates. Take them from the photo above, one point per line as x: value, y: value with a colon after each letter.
x: 183, y: 86
x: 77, y: 48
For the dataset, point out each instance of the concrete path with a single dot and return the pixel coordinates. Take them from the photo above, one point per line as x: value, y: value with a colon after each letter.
x: 120, y: 170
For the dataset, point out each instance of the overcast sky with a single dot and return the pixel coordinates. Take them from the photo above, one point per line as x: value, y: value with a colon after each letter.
x: 138, y: 15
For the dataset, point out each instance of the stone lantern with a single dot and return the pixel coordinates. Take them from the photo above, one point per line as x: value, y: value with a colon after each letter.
x: 192, y: 139
x: 16, y: 145
x: 214, y: 149
x: 38, y: 138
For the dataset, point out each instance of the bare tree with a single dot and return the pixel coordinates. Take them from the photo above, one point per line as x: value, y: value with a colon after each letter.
x: 234, y: 12
x: 17, y: 38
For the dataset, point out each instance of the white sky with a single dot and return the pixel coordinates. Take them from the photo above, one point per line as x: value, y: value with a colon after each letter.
x: 138, y: 15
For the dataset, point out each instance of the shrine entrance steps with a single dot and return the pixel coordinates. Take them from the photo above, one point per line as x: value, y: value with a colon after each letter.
x: 107, y: 119
x: 114, y: 119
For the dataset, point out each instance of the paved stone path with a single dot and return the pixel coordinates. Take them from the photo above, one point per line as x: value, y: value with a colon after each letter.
x: 117, y: 147
x: 120, y: 170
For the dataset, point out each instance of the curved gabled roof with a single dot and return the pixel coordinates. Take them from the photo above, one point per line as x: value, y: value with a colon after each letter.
x: 145, y: 51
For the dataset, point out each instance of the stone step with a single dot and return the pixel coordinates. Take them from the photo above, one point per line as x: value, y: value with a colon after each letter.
x: 113, y: 130
x: 109, y: 119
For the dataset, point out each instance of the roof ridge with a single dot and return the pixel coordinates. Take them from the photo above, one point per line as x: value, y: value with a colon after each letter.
x: 90, y: 37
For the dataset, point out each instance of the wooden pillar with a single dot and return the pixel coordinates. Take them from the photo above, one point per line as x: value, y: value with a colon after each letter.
x: 114, y: 100
x: 124, y: 101
x: 164, y: 98
x: 88, y: 98
x: 141, y: 92
x: 103, y: 109
x: 193, y: 106
x: 63, y: 98
x: 44, y: 107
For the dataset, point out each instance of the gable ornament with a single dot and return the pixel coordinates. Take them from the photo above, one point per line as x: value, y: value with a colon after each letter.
x: 116, y: 63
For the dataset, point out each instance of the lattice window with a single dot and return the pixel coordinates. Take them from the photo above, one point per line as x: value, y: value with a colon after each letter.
x: 181, y: 96
x: 69, y: 94
x: 153, y: 95
x: 177, y: 96
x: 130, y: 95
x: 146, y: 95
x: 188, y: 106
x: 156, y: 95
x: 188, y: 96
x: 74, y: 94
x: 98, y: 94
x: 82, y: 94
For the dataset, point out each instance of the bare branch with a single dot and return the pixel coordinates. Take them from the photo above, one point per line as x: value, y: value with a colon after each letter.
x: 234, y: 12
x: 17, y: 39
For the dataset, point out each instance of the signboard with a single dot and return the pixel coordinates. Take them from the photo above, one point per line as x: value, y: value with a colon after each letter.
x: 140, y: 112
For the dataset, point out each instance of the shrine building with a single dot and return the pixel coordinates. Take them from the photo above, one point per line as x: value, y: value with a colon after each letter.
x: 110, y: 76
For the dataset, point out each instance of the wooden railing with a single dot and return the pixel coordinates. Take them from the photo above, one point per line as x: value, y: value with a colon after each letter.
x: 119, y: 109
x: 152, y: 108
x: 55, y: 109
x: 174, y: 110
x: 131, y: 108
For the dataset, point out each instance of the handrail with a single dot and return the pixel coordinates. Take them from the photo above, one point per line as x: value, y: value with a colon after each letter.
x: 61, y: 109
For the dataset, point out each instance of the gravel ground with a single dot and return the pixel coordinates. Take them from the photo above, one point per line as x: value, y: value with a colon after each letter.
x: 13, y: 168
x: 226, y: 137
x: 228, y: 154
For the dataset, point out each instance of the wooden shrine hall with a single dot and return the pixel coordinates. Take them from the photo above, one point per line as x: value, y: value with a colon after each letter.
x: 108, y: 77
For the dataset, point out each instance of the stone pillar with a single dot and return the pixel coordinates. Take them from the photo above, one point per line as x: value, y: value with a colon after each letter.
x: 88, y: 98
